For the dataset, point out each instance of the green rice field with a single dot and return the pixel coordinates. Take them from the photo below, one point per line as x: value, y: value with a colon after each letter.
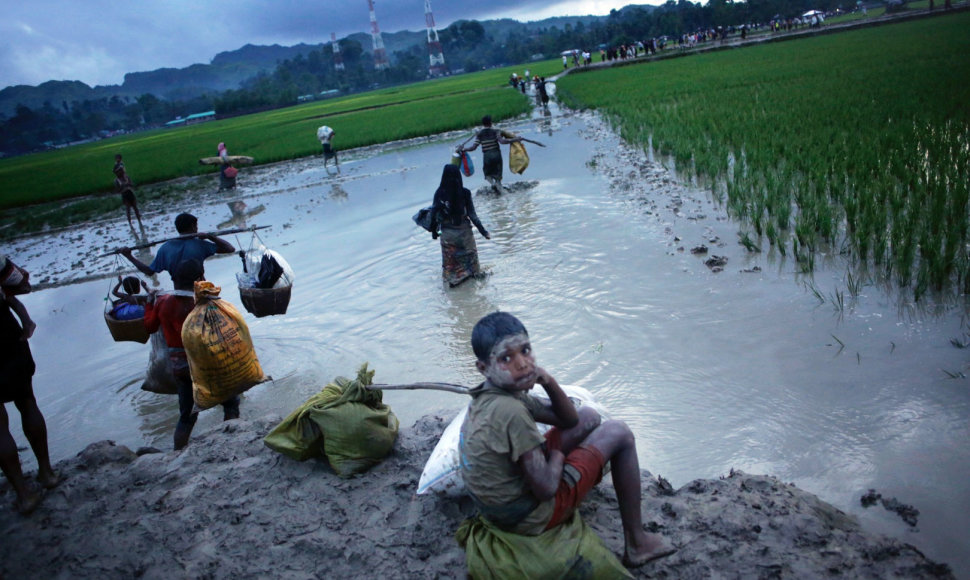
x: 855, y: 143
x: 365, y: 119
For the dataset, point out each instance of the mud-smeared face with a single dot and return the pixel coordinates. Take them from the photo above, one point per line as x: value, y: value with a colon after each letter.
x: 511, y: 364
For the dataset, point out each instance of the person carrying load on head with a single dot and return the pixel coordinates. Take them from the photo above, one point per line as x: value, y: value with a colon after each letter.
x: 125, y: 187
x: 227, y: 173
x: 187, y: 247
x: 16, y: 385
x: 325, y: 135
x: 129, y: 304
x: 169, y: 312
x: 454, y: 213
x: 523, y: 482
x: 490, y: 139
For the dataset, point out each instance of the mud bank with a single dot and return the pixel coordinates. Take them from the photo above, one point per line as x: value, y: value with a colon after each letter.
x: 229, y: 507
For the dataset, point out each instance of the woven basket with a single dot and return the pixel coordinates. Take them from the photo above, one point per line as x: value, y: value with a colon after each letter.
x: 126, y: 330
x: 265, y: 301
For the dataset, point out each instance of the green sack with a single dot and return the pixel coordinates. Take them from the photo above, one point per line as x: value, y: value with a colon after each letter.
x: 346, y: 422
x: 571, y: 550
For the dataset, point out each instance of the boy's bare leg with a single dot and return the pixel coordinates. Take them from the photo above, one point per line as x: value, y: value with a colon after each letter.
x: 35, y: 428
x: 27, y: 500
x: 618, y: 445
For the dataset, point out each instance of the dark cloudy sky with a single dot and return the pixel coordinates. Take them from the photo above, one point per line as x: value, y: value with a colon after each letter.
x: 98, y: 41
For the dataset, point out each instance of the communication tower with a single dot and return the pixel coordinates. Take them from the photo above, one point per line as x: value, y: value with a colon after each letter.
x: 338, y: 59
x: 380, y: 57
x: 437, y: 58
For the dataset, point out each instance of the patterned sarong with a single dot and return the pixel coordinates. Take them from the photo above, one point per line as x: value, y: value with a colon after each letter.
x: 459, y: 254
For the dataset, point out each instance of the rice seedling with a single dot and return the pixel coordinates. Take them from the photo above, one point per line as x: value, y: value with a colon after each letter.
x: 858, y: 142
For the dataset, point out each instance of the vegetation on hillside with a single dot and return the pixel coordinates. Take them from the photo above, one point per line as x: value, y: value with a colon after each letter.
x: 468, y: 46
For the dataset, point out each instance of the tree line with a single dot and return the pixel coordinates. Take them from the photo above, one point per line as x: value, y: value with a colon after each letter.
x: 466, y: 44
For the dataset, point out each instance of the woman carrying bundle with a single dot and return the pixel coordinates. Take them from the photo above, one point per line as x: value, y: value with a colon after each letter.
x: 454, y: 212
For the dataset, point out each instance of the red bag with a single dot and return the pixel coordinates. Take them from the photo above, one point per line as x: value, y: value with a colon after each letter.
x: 466, y: 165
x: 14, y: 279
x: 231, y: 172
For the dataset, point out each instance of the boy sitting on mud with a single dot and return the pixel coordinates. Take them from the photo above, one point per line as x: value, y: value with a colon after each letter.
x: 526, y: 483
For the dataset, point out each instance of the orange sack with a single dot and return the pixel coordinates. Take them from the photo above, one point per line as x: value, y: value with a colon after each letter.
x: 220, y: 350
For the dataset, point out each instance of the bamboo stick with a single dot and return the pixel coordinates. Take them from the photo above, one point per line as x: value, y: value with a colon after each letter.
x: 449, y: 387
x: 185, y: 237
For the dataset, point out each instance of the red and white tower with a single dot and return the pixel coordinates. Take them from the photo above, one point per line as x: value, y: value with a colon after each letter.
x: 380, y: 57
x: 338, y: 59
x: 437, y: 58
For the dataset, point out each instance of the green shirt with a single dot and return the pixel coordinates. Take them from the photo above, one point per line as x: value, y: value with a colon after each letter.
x: 499, y: 429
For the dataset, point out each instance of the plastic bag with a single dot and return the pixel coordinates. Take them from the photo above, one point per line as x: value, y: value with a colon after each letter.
x: 423, y: 218
x: 159, y: 378
x: 220, y: 350
x: 518, y: 158
x: 253, y: 263
x: 346, y: 422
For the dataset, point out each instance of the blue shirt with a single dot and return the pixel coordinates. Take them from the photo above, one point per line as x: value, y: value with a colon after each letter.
x: 174, y: 252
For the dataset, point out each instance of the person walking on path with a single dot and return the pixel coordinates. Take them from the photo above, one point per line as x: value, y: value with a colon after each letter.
x: 490, y: 139
x: 454, y: 213
x: 227, y: 173
x: 325, y: 135
x: 16, y: 385
x: 126, y: 188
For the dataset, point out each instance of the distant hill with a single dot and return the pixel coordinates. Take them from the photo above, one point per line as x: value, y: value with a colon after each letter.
x: 228, y: 70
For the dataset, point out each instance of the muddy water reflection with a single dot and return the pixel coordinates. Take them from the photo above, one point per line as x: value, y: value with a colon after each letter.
x: 713, y: 371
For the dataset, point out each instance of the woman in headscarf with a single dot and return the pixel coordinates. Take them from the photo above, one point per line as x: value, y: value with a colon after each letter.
x: 454, y: 212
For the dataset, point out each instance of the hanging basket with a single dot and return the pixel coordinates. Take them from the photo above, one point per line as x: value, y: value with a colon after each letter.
x: 126, y: 330
x: 265, y: 301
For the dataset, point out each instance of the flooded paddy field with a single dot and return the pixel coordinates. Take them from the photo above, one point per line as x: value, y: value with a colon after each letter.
x: 730, y: 363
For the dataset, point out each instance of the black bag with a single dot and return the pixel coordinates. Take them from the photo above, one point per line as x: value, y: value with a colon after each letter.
x: 269, y: 272
x: 423, y: 218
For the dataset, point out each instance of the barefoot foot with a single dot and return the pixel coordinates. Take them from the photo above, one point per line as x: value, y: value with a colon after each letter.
x: 49, y: 480
x: 652, y: 548
x: 27, y: 504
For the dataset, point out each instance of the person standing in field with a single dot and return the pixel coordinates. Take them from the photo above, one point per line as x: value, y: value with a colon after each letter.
x: 490, y: 139
x: 453, y: 212
x: 16, y: 385
x: 126, y: 188
x: 325, y: 135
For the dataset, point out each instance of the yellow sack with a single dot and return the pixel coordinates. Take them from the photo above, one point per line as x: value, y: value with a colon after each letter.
x: 221, y: 357
x: 518, y: 158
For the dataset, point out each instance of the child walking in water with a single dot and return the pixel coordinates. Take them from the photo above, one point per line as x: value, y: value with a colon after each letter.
x: 523, y: 482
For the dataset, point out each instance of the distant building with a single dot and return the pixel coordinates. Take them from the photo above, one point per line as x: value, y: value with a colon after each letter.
x: 192, y: 119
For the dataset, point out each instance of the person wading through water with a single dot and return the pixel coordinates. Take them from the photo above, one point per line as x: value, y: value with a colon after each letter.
x: 454, y: 212
x: 490, y: 139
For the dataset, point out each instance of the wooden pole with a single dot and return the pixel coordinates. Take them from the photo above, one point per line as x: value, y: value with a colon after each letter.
x: 449, y: 387
x: 187, y: 236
